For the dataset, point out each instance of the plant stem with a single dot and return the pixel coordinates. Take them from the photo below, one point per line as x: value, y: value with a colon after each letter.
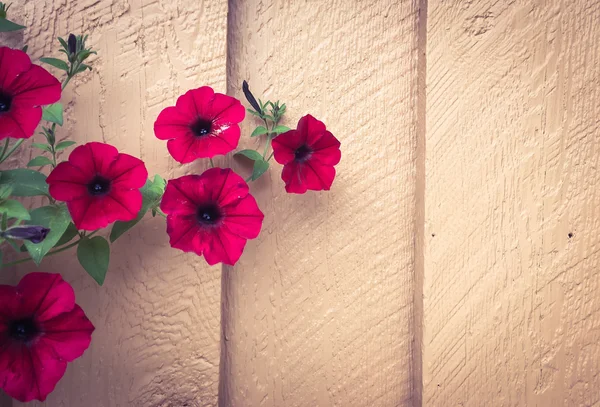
x: 212, y: 164
x: 62, y: 249
x: 12, y: 150
x: 4, y: 149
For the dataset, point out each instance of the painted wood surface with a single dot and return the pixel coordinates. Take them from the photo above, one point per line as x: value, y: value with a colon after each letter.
x: 466, y: 191
x: 319, y: 311
x: 158, y: 314
x: 512, y: 205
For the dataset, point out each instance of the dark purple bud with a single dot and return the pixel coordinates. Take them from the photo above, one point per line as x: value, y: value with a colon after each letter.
x: 72, y: 42
x: 35, y: 234
x: 250, y: 97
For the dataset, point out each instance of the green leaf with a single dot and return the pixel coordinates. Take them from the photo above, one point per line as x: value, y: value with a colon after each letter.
x: 251, y: 154
x: 68, y: 235
x: 39, y: 161
x: 64, y: 144
x: 55, y: 218
x: 25, y: 48
x: 25, y: 182
x: 94, y: 255
x: 152, y: 193
x: 260, y: 166
x: 41, y: 146
x: 281, y: 129
x: 5, y: 191
x: 83, y: 55
x: 259, y: 131
x: 53, y: 113
x: 7, y: 25
x: 63, y: 43
x: 57, y: 63
x: 254, y: 113
x: 82, y: 68
x: 14, y: 209
x: 4, y: 222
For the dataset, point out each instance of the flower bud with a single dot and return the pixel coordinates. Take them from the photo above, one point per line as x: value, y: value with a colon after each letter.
x: 72, y: 43
x: 35, y: 234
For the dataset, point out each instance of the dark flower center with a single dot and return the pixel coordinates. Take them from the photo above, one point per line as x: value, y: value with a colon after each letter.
x: 99, y: 186
x: 201, y: 127
x: 23, y: 329
x: 302, y: 153
x: 5, y: 102
x: 209, y: 214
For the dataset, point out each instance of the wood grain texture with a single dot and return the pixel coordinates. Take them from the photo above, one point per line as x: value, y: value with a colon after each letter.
x: 319, y: 310
x: 158, y: 314
x: 512, y: 311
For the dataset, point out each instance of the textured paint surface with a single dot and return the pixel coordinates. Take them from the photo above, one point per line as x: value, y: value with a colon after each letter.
x: 324, y: 308
x: 319, y: 310
x: 512, y: 311
x: 158, y: 314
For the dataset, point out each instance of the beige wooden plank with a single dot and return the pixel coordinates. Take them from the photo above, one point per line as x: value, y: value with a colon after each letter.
x: 512, y: 204
x: 158, y: 315
x: 319, y: 310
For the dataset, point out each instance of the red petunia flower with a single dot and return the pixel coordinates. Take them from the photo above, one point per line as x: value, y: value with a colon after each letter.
x: 41, y: 329
x: 99, y: 185
x: 212, y: 214
x: 201, y: 125
x: 23, y: 88
x: 308, y: 155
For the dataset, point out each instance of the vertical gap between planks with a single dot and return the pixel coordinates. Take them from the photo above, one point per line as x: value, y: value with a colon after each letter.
x: 224, y: 374
x: 419, y: 243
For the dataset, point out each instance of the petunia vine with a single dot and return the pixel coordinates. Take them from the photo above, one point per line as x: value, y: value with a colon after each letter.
x: 91, y: 197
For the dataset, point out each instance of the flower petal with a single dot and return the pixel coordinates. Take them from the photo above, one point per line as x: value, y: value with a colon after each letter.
x: 68, y: 182
x: 326, y: 149
x: 171, y: 123
x: 318, y: 176
x: 225, y: 110
x: 44, y: 295
x: 293, y: 178
x: 29, y: 373
x: 222, y: 246
x: 223, y: 139
x: 19, y: 122
x: 8, y: 304
x: 69, y: 334
x: 12, y: 63
x: 309, y: 127
x: 36, y: 87
x: 127, y: 171
x: 183, y: 195
x: 93, y: 158
x: 91, y: 213
x: 244, y: 218
x: 185, y: 234
x: 225, y: 186
x: 285, y: 145
x: 194, y: 102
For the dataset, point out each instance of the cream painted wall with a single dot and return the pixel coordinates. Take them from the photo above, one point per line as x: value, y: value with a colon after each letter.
x: 440, y: 265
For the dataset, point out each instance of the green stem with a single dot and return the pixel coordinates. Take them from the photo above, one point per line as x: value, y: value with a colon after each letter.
x: 271, y: 156
x: 62, y: 249
x: 212, y: 164
x: 4, y: 149
x: 12, y: 150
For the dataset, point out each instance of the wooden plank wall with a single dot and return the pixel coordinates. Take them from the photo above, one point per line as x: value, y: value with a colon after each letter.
x: 512, y: 311
x: 493, y: 230
x: 319, y: 310
x: 158, y: 315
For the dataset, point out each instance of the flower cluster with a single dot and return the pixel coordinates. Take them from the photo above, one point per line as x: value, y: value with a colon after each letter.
x: 211, y: 214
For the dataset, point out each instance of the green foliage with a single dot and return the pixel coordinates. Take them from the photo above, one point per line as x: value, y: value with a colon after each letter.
x: 94, y: 256
x: 152, y: 193
x: 55, y: 218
